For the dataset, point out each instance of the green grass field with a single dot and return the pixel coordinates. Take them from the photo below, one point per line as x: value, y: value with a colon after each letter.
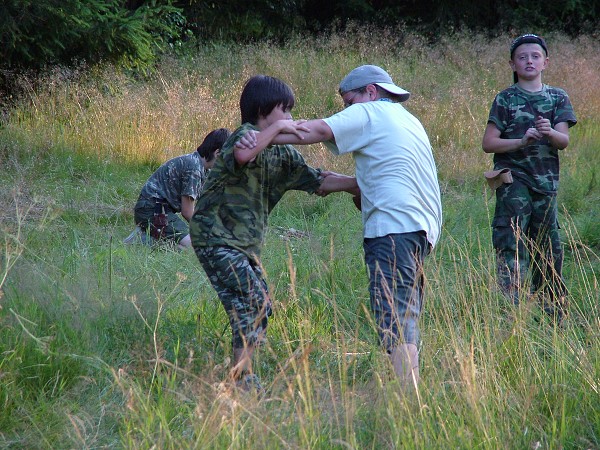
x: 108, y: 346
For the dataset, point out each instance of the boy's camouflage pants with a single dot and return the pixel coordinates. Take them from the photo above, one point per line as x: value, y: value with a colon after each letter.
x: 242, y: 290
x: 526, y: 236
x: 144, y: 211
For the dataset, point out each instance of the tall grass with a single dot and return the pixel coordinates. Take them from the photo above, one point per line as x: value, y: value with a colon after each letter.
x: 103, y: 346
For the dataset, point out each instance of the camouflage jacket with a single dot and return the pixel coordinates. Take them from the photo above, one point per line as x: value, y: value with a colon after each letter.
x: 514, y: 111
x: 236, y: 200
x: 182, y: 175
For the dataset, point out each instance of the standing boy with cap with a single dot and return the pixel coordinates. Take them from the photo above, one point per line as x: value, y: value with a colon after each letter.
x: 400, y: 201
x: 528, y: 124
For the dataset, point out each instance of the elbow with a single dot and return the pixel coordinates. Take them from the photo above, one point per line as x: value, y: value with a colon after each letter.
x: 321, y: 132
x: 240, y: 161
x: 491, y: 146
x: 188, y: 214
x: 241, y: 158
x: 322, y: 135
x: 562, y: 145
x: 327, y: 135
x: 559, y: 139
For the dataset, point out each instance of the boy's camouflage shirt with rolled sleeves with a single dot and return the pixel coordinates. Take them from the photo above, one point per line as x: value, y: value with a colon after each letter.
x: 236, y: 200
x: 514, y: 111
x: 182, y: 175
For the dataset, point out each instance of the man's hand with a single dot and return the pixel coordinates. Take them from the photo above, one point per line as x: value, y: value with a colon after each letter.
x: 294, y: 127
x: 250, y: 140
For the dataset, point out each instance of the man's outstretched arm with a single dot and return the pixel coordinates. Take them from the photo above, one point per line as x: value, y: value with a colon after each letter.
x: 253, y: 142
x: 304, y: 133
x: 337, y: 182
x: 318, y: 131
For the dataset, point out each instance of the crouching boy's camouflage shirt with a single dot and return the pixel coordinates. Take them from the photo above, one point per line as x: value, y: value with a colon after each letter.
x: 236, y: 200
x: 514, y: 111
x: 182, y: 175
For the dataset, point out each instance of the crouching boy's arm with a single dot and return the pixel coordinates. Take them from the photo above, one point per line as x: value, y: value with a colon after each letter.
x: 187, y: 207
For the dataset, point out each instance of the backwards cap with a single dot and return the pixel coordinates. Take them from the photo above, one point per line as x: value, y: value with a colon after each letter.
x: 368, y: 74
x: 528, y: 39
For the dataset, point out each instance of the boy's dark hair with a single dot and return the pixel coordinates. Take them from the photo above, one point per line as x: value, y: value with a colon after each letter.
x: 213, y: 142
x: 261, y: 94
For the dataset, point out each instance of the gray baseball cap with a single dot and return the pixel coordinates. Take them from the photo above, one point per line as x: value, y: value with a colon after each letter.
x: 368, y: 74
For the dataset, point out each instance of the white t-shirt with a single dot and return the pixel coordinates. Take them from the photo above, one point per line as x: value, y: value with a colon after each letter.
x: 395, y: 169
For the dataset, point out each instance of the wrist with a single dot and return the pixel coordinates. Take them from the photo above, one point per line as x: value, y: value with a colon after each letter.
x: 282, y: 124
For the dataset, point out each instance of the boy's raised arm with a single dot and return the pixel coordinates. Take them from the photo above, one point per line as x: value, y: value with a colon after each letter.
x: 294, y: 132
x: 252, y: 143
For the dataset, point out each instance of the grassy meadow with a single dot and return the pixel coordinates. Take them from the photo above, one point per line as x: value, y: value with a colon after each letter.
x: 108, y: 346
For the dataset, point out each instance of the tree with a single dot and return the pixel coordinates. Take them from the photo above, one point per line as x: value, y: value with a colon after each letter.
x: 243, y: 20
x: 35, y: 33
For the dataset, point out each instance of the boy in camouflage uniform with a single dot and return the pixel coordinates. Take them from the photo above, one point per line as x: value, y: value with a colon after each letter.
x: 528, y: 124
x: 175, y: 186
x: 229, y: 222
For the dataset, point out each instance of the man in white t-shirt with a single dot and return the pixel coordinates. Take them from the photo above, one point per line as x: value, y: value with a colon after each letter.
x: 399, y: 199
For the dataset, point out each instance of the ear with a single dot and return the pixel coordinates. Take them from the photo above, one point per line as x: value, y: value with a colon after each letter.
x: 512, y: 65
x: 546, y: 62
x: 372, y: 91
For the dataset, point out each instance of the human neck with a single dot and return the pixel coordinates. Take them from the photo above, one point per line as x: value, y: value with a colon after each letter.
x: 531, y: 85
x: 261, y: 123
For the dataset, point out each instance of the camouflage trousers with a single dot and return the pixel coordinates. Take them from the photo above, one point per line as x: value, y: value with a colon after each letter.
x: 527, y: 243
x: 242, y: 290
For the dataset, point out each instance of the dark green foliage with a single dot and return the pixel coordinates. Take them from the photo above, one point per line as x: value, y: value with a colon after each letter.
x: 243, y: 20
x: 37, y: 33
x: 570, y: 16
x: 267, y: 18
